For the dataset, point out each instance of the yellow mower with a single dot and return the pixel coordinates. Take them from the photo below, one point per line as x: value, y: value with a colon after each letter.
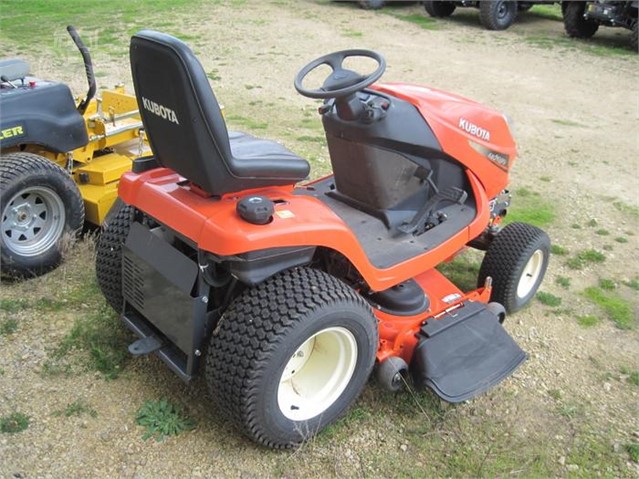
x: 60, y: 162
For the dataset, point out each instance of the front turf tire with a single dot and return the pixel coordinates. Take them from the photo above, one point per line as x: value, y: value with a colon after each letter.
x: 42, y: 214
x: 439, y: 9
x: 108, y: 260
x: 516, y: 260
x: 498, y: 14
x: 290, y: 355
x: 575, y: 24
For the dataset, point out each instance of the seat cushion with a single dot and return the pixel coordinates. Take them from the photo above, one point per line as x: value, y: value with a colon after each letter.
x: 275, y: 159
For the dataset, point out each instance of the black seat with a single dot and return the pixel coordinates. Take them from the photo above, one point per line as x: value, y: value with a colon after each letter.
x: 186, y: 129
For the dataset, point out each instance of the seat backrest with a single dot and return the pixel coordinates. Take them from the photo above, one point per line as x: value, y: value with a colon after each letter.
x: 180, y: 113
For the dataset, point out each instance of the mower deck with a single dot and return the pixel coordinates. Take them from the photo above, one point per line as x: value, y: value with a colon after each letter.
x: 386, y: 247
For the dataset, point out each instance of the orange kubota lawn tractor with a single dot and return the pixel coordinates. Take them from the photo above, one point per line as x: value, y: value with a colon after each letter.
x: 285, y: 295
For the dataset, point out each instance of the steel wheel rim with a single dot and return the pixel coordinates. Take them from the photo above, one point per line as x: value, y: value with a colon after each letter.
x: 502, y: 10
x: 530, y: 274
x: 33, y: 221
x: 317, y: 374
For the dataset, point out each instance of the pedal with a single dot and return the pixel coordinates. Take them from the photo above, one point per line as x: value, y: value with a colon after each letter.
x: 419, y: 221
x: 147, y: 345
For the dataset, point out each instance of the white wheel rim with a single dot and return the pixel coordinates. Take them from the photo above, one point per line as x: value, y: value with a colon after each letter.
x: 531, y: 273
x: 33, y: 221
x: 317, y: 374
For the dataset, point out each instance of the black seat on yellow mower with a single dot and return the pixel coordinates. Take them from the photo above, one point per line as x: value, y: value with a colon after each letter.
x: 186, y: 129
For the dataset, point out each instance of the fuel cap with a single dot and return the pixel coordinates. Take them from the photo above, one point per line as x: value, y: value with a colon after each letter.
x: 257, y: 210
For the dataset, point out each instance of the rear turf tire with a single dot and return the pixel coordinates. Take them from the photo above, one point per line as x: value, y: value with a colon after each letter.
x: 290, y: 355
x: 439, y: 9
x: 575, y: 24
x: 516, y: 260
x: 42, y: 214
x: 108, y: 261
x: 498, y: 14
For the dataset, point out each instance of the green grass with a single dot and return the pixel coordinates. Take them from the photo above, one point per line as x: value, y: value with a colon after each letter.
x: 555, y: 394
x: 602, y: 232
x: 632, y: 211
x: 588, y: 321
x: 105, y: 27
x: 549, y: 12
x: 632, y: 449
x: 77, y: 408
x: 563, y: 281
x: 607, y: 284
x: 161, y: 419
x: 616, y: 308
x: 530, y: 207
x: 632, y: 284
x: 621, y: 239
x: 14, y: 422
x: 8, y: 326
x: 352, y: 34
x: 584, y: 258
x: 14, y: 305
x: 418, y: 19
x: 565, y: 122
x: 558, y: 250
x: 249, y: 123
x: 548, y: 299
x: 592, y: 223
x: 98, y: 335
x: 462, y: 271
x: 633, y: 375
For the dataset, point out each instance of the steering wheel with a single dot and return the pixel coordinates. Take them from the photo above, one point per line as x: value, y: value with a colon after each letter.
x: 341, y: 82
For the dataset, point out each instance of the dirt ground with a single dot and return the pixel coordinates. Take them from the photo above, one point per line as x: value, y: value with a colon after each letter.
x: 571, y: 410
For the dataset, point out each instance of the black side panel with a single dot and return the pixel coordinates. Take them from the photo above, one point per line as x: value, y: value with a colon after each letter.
x: 160, y: 288
x: 44, y: 115
x: 464, y: 354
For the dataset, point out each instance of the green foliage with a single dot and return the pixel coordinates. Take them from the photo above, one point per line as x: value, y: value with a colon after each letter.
x: 563, y: 122
x: 161, y: 419
x: 555, y: 394
x: 352, y: 34
x: 548, y: 299
x: 14, y: 422
x: 13, y: 305
x: 419, y: 19
x: 633, y: 284
x: 617, y: 309
x: 16, y: 22
x: 558, y: 250
x: 77, y: 408
x: 8, y: 326
x: 633, y: 375
x: 462, y: 271
x: 530, y: 207
x: 585, y: 257
x: 587, y: 321
x: 621, y: 239
x: 249, y: 123
x: 563, y: 281
x: 607, y: 284
x: 602, y: 232
x: 626, y: 209
x: 101, y: 336
x: 633, y: 451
